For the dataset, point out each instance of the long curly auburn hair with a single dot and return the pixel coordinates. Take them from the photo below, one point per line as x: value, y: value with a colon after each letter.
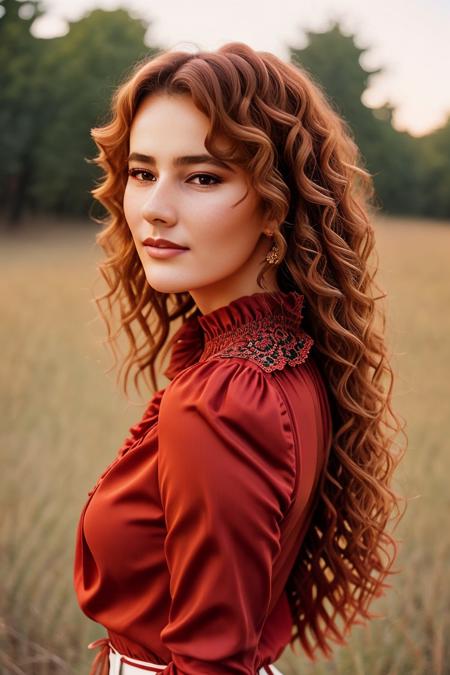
x: 309, y: 174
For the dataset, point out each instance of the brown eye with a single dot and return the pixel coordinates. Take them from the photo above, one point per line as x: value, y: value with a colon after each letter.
x: 134, y: 173
x: 208, y: 177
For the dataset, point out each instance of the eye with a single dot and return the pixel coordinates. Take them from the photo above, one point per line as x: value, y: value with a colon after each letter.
x: 134, y: 173
x: 208, y: 177
x: 144, y: 176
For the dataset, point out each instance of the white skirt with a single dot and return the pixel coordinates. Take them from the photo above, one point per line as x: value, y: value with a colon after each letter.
x: 124, y: 665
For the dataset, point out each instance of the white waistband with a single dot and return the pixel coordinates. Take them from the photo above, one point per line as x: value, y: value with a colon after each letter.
x: 119, y: 664
x: 125, y: 665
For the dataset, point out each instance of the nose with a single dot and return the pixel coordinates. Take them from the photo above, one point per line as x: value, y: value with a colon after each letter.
x: 158, y: 204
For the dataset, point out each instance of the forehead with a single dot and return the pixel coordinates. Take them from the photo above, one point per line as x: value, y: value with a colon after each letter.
x: 172, y: 124
x: 171, y: 115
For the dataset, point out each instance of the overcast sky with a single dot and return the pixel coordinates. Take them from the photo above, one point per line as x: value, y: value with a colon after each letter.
x: 410, y: 39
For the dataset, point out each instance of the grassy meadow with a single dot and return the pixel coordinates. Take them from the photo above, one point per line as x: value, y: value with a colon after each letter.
x: 64, y: 419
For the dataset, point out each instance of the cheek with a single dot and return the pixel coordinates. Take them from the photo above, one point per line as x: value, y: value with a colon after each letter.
x: 239, y: 226
x: 229, y: 219
x: 231, y: 233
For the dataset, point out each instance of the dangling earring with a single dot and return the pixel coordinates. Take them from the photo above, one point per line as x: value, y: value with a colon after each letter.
x: 272, y: 256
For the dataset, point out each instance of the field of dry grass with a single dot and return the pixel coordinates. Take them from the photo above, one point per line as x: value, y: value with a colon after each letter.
x: 64, y: 418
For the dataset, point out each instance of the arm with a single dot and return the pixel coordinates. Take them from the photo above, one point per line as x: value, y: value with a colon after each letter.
x: 226, y: 474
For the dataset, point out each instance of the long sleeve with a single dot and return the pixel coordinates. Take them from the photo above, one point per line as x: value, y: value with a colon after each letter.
x: 226, y: 471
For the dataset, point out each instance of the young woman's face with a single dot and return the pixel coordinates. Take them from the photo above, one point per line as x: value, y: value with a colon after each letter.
x: 211, y: 210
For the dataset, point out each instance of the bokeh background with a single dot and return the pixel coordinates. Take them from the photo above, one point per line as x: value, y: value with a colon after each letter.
x: 385, y: 69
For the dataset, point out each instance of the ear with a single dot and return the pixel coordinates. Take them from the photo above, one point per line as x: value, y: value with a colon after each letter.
x: 269, y: 226
x: 269, y: 223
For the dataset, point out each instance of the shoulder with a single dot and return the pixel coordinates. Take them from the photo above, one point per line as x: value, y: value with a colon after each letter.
x: 232, y: 373
x: 232, y: 400
x: 235, y: 376
x: 221, y: 384
x: 227, y: 413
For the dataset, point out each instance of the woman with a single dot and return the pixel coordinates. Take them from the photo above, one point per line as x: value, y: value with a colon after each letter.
x: 253, y: 495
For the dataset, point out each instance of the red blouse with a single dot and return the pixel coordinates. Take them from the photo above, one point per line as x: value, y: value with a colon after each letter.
x: 188, y: 537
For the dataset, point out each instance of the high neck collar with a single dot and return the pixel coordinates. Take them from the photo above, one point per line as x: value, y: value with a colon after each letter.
x: 203, y: 335
x: 279, y: 306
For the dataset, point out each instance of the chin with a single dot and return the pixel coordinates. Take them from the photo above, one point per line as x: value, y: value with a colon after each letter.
x: 166, y: 285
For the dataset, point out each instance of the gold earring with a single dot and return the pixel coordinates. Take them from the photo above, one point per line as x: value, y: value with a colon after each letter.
x: 272, y: 256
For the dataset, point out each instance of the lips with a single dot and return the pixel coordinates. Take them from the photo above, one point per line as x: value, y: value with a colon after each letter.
x: 162, y: 243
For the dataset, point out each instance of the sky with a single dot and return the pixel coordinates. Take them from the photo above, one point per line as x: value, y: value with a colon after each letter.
x: 409, y: 39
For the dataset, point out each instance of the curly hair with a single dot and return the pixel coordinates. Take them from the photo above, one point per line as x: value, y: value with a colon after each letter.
x: 309, y: 174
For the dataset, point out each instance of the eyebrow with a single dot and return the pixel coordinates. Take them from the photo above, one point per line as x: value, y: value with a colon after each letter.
x: 182, y: 161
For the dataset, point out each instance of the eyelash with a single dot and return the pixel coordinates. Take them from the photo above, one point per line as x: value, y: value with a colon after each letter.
x: 134, y: 173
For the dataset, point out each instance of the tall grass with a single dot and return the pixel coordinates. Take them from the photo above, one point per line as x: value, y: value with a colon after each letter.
x: 64, y: 419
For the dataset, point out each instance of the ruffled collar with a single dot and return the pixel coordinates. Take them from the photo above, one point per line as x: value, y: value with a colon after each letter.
x: 203, y: 335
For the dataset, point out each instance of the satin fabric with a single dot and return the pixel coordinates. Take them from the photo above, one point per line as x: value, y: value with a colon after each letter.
x: 186, y: 541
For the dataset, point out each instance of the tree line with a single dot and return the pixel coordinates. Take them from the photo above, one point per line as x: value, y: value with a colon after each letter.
x: 53, y: 91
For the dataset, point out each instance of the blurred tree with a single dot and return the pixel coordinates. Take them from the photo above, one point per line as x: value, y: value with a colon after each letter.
x: 20, y: 56
x: 84, y: 67
x: 334, y: 61
x: 434, y: 166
